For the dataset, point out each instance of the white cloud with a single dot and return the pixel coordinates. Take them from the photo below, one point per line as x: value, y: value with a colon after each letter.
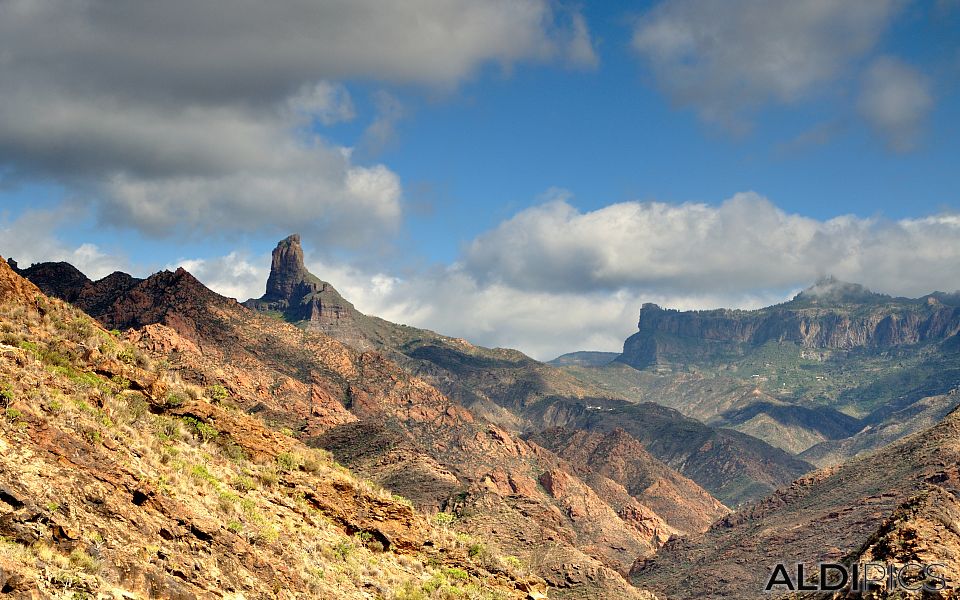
x: 726, y: 58
x: 235, y: 275
x: 326, y: 102
x: 195, y: 117
x: 744, y: 245
x: 895, y: 98
x: 579, y: 50
x: 348, y: 207
x: 28, y: 239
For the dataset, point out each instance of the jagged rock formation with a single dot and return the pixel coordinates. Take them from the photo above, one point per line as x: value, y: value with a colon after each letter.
x: 299, y: 296
x: 898, y: 505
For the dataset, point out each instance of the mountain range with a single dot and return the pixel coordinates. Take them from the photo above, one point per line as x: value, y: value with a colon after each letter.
x: 693, y: 455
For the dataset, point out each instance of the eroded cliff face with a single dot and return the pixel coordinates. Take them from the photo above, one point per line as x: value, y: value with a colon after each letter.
x: 829, y: 321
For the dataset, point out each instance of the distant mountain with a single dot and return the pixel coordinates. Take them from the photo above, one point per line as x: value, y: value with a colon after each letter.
x: 829, y: 316
x: 733, y: 466
x: 584, y: 359
x: 811, y: 372
x: 622, y: 458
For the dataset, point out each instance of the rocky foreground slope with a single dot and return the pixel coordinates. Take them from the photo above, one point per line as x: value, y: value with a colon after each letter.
x: 118, y: 479
x: 392, y: 428
x: 896, y: 506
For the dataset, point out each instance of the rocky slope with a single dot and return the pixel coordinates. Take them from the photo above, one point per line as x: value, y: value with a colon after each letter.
x: 732, y: 466
x: 897, y: 505
x: 392, y: 428
x: 120, y: 480
x: 620, y: 457
x: 508, y: 387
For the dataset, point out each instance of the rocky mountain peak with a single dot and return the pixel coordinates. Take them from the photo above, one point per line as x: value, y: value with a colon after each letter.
x: 297, y: 294
x: 59, y: 279
x: 286, y: 269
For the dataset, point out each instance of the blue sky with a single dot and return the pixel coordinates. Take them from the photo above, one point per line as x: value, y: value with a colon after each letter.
x: 473, y: 171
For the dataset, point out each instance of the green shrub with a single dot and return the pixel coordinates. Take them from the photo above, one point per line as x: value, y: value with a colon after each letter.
x: 444, y: 519
x: 6, y: 394
x: 127, y: 355
x: 175, y: 399
x: 343, y: 550
x: 137, y: 405
x: 288, y: 461
x: 201, y: 474
x: 201, y: 430
x: 243, y: 483
x: 218, y: 393
x: 456, y: 573
x: 82, y: 561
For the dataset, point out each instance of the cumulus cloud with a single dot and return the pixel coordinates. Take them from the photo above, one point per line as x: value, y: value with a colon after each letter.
x: 235, y: 275
x: 199, y: 116
x: 324, y: 101
x: 743, y: 245
x: 726, y: 57
x: 895, y: 98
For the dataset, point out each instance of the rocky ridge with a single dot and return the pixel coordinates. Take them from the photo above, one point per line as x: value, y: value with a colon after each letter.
x: 830, y: 315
